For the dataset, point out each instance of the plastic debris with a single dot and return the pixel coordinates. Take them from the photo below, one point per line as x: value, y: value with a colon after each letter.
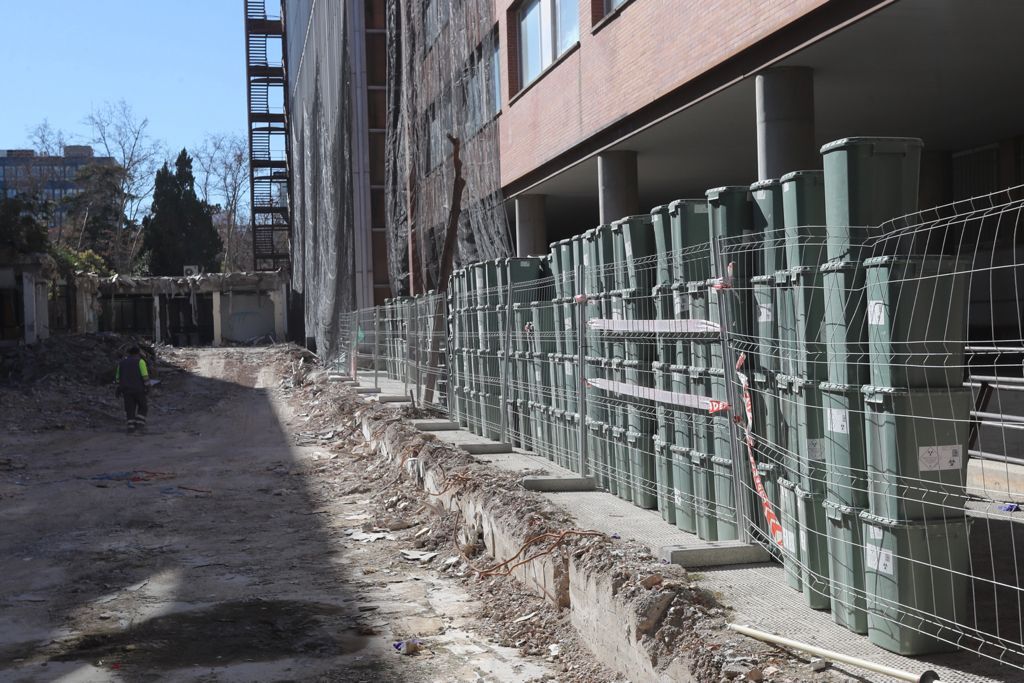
x: 1009, y: 507
x: 407, y: 647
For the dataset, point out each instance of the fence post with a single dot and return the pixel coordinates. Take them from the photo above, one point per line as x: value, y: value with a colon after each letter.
x: 581, y: 368
x: 740, y: 465
x: 376, y: 343
x: 506, y: 351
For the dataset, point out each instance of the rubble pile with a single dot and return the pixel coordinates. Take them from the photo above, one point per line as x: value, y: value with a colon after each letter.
x: 63, y: 382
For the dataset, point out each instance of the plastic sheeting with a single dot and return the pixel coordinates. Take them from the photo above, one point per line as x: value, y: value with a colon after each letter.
x: 442, y: 79
x: 320, y: 139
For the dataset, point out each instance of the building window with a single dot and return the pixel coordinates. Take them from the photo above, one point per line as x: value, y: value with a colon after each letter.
x: 612, y: 5
x: 496, y: 76
x: 547, y: 29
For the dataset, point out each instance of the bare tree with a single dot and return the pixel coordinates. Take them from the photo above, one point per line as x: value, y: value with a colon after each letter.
x: 120, y: 134
x: 222, y: 179
x: 47, y: 140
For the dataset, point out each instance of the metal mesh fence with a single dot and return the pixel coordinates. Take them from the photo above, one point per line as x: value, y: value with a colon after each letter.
x: 848, y: 397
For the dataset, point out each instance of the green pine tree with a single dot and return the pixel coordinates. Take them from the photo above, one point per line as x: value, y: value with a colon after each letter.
x: 179, y: 231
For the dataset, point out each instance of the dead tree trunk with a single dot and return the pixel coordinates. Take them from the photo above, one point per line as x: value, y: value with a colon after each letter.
x: 451, y: 241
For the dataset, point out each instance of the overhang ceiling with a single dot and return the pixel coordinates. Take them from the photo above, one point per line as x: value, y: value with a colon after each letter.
x: 947, y: 71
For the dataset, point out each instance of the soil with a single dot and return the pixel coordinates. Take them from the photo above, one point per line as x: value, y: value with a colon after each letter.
x: 214, y: 547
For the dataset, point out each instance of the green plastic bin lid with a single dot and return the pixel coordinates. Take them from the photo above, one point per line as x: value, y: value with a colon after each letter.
x: 660, y: 289
x: 678, y: 204
x: 679, y: 369
x: 642, y: 218
x: 761, y: 377
x: 797, y: 383
x: 716, y: 372
x: 890, y: 144
x: 787, y: 484
x: 792, y: 176
x: 716, y: 192
x: 882, y: 261
x: 832, y: 507
x: 616, y: 362
x: 807, y: 495
x: 695, y: 370
x: 724, y: 462
x: 767, y: 467
x: 618, y: 432
x: 946, y: 521
x: 765, y: 184
x: 782, y: 277
x: 834, y: 388
x: 696, y: 285
x: 661, y: 208
x: 698, y: 458
x: 679, y: 450
x: 802, y: 271
x: 838, y: 265
x: 658, y: 365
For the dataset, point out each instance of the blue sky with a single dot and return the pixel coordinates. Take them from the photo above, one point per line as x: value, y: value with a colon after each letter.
x: 179, y: 63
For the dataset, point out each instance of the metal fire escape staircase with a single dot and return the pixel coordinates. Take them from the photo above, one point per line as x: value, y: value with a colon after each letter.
x: 268, y: 133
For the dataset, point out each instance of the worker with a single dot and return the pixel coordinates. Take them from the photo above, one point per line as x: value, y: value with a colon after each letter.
x: 132, y: 378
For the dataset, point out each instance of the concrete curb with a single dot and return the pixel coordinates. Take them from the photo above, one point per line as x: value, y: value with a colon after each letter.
x: 620, y: 630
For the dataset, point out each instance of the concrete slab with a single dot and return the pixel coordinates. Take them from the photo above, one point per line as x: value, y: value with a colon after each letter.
x: 557, y: 484
x: 993, y: 480
x: 434, y: 425
x: 367, y: 390
x: 392, y: 398
x: 601, y: 511
x: 714, y: 554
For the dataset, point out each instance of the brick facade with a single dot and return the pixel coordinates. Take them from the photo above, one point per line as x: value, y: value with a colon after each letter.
x: 648, y: 49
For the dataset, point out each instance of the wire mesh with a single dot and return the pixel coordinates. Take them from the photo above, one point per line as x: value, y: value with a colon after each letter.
x: 860, y: 417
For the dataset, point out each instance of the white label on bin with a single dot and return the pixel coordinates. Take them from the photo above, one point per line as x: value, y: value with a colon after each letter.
x: 569, y: 372
x: 935, y: 458
x: 803, y: 541
x: 764, y: 313
x: 788, y: 542
x: 838, y: 421
x: 678, y: 305
x: 629, y: 249
x: 568, y: 323
x: 679, y: 498
x: 700, y: 208
x: 761, y: 194
x: 879, y: 559
x: 787, y: 187
x: 875, y: 533
x: 876, y: 312
x: 816, y: 449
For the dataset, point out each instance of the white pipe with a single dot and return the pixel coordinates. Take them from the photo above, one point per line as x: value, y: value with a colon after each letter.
x: 926, y: 677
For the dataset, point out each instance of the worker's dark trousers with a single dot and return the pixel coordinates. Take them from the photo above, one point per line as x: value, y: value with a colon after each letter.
x: 135, y: 408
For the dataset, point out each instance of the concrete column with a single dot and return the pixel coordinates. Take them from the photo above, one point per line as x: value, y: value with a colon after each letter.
x: 217, y: 322
x: 531, y: 226
x: 28, y: 297
x: 157, y: 332
x: 785, y: 121
x: 618, y: 191
x: 42, y: 309
x: 279, y: 299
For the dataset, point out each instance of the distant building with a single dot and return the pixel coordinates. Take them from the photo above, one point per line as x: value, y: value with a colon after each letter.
x: 53, y: 177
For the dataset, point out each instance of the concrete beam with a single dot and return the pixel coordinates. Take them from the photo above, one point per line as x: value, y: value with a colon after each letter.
x: 714, y: 554
x: 434, y: 425
x: 559, y: 484
x: 618, y: 189
x: 279, y: 298
x: 785, y: 121
x: 531, y: 226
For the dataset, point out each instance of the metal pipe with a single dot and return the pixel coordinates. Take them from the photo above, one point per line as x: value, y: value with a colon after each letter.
x: 995, y: 457
x: 925, y: 677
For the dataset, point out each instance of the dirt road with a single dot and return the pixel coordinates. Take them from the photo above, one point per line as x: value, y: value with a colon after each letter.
x: 213, y: 549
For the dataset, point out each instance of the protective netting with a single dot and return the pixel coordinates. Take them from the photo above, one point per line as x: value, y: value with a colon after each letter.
x: 320, y: 137
x: 442, y: 80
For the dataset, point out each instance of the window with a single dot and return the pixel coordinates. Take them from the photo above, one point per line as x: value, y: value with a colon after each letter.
x: 496, y: 76
x: 612, y: 5
x: 547, y: 29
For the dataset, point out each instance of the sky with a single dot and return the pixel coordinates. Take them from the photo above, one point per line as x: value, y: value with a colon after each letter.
x: 178, y: 63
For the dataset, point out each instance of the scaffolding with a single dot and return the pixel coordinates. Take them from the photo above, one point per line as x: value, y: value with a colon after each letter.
x: 268, y: 130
